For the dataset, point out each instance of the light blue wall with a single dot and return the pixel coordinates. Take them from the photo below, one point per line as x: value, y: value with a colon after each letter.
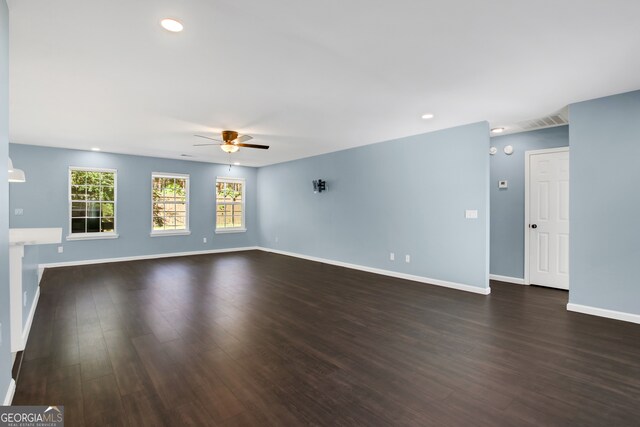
x: 44, y: 199
x: 5, y: 347
x: 605, y: 201
x: 406, y: 196
x: 507, y: 205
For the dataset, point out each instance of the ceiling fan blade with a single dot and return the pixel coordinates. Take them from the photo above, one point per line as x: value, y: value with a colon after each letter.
x: 206, y: 145
x: 264, y: 147
x: 206, y: 137
x: 242, y: 138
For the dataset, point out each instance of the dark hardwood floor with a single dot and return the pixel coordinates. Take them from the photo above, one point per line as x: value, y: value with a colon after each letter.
x: 254, y: 338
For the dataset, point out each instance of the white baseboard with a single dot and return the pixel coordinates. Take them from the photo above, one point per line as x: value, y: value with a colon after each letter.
x: 602, y: 312
x: 421, y: 279
x: 8, y: 398
x: 41, y: 267
x: 32, y: 313
x: 507, y: 279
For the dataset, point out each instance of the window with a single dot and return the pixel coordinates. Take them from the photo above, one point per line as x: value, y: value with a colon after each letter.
x: 230, y: 205
x: 169, y: 204
x: 92, y: 203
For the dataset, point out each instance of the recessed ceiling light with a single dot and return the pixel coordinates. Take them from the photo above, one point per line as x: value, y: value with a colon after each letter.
x: 95, y: 149
x: 428, y: 116
x: 171, y: 25
x: 237, y: 163
x: 497, y: 130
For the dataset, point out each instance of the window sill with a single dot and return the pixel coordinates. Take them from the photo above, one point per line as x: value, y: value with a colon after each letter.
x: 170, y: 233
x: 230, y: 230
x: 92, y: 236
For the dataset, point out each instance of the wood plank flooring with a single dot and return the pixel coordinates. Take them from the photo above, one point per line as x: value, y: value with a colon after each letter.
x: 253, y: 338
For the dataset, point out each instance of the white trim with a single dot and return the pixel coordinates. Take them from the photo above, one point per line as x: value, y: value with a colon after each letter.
x: 169, y: 175
x: 32, y: 313
x: 82, y: 168
x: 231, y: 179
x: 156, y: 233
x: 507, y: 279
x: 85, y: 236
x: 142, y: 257
x: 16, y: 292
x: 11, y: 390
x: 92, y: 236
x: 421, y: 279
x: 547, y: 150
x: 527, y: 161
x: 603, y: 312
x: 160, y: 233
x: 230, y: 230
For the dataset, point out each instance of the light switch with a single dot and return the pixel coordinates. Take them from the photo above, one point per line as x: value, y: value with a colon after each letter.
x: 471, y: 214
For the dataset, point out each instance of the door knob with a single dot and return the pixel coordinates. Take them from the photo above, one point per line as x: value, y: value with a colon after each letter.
x: 534, y: 225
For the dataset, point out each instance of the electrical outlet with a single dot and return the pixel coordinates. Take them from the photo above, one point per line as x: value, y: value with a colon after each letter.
x: 204, y: 240
x: 18, y: 211
x: 407, y: 258
x: 471, y: 214
x: 24, y: 299
x: 392, y: 256
x: 60, y: 249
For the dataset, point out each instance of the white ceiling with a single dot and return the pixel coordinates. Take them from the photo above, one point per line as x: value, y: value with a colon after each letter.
x: 304, y: 77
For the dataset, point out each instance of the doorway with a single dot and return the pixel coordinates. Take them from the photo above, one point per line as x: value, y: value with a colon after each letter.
x: 547, y: 218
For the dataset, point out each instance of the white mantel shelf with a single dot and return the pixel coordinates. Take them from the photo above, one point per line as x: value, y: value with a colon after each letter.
x: 18, y: 239
x: 34, y: 236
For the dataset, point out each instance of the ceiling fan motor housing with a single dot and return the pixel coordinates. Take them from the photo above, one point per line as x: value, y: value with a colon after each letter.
x: 229, y: 135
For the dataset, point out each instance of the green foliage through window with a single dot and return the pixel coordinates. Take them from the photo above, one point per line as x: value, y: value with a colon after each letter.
x: 169, y: 205
x: 229, y: 204
x: 93, y: 204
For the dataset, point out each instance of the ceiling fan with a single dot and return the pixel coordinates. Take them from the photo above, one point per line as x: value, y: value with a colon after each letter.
x: 231, y: 141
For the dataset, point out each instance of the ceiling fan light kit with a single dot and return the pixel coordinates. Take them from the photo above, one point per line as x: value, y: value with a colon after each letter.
x: 231, y: 142
x: 229, y: 148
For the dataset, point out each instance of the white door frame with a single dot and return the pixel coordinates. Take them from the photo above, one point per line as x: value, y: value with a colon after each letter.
x: 527, y: 159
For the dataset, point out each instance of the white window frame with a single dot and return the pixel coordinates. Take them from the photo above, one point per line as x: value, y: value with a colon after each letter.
x: 96, y: 235
x: 244, y: 203
x: 187, y: 230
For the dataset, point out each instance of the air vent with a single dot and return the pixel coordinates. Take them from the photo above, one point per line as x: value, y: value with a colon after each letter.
x: 557, y: 119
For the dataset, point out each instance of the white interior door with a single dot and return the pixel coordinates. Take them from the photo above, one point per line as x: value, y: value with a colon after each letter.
x: 548, y: 226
